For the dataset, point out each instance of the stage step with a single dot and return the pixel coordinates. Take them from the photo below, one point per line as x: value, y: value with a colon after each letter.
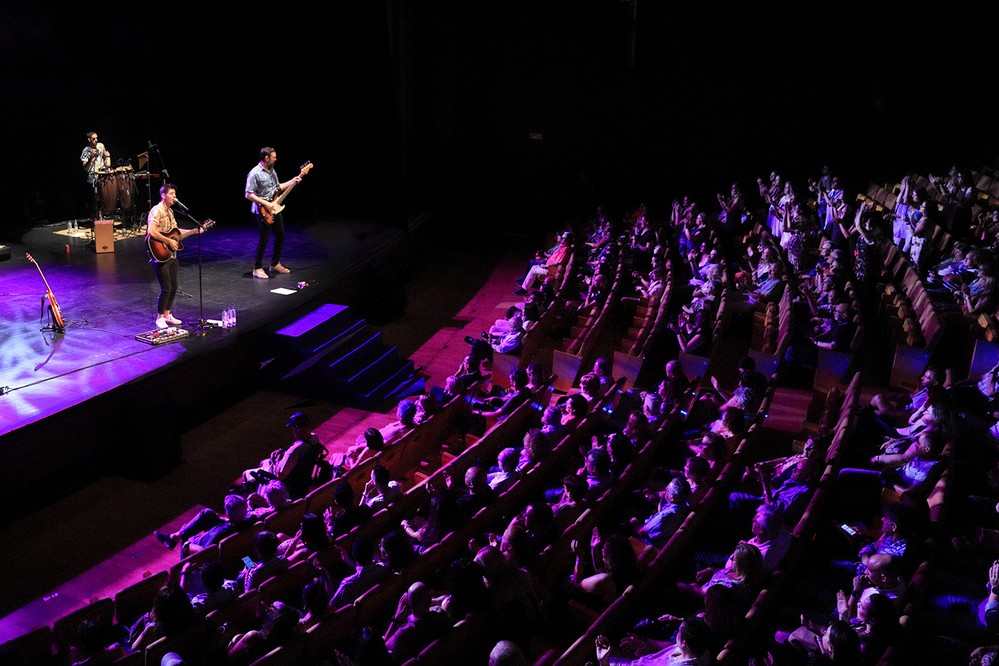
x: 328, y: 351
x: 354, y: 354
x: 311, y: 332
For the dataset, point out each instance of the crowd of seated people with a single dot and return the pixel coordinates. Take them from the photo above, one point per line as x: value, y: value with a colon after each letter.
x: 504, y: 578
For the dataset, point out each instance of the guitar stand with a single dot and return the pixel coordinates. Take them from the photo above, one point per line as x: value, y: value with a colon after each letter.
x: 52, y: 326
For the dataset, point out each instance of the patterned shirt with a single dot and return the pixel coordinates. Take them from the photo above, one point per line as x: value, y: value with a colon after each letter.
x: 162, y: 218
x: 98, y: 162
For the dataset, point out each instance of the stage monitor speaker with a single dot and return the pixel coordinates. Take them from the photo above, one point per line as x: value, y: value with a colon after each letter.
x: 104, y: 235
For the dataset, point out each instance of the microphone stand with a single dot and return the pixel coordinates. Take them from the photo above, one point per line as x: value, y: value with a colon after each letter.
x: 203, y: 325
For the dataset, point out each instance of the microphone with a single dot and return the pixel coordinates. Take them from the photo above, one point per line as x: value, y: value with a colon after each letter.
x: 178, y: 203
x: 150, y: 145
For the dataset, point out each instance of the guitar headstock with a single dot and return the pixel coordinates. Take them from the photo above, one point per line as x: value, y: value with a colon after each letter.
x: 30, y: 258
x: 305, y: 168
x: 207, y: 224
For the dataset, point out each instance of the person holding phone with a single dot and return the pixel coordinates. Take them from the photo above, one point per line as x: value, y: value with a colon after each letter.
x: 265, y: 546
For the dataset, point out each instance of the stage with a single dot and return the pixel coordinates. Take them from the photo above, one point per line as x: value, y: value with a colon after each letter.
x: 75, y: 402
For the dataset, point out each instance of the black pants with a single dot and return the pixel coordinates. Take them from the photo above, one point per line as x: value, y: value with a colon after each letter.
x: 88, y: 192
x: 265, y: 231
x: 167, y: 273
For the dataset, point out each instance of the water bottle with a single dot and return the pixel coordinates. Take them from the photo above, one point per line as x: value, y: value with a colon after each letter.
x: 225, y: 318
x: 233, y: 316
x: 69, y: 226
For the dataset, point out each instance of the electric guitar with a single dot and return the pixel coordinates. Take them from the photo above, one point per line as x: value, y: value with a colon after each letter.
x: 276, y: 206
x: 59, y: 325
x: 159, y: 251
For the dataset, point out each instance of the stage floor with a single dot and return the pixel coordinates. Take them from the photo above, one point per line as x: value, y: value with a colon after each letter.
x: 107, y: 299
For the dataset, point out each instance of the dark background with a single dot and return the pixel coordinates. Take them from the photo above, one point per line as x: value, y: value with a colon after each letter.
x: 431, y: 106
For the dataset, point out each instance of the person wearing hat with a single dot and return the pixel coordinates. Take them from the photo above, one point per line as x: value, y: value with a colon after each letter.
x: 293, y: 465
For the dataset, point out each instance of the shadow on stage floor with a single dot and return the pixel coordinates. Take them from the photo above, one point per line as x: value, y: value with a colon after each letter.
x: 72, y: 399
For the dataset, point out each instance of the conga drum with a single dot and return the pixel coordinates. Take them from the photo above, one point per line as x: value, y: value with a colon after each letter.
x: 107, y: 187
x: 126, y: 187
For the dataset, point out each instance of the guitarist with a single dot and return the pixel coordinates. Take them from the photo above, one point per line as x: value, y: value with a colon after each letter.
x: 160, y: 223
x: 262, y: 187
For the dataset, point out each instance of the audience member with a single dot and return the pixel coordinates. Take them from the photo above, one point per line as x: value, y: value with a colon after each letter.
x: 607, y: 569
x: 367, y: 573
x: 281, y: 626
x: 294, y: 465
x: 269, y: 563
x: 672, y: 511
x: 414, y: 624
x: 381, y: 490
x: 208, y: 527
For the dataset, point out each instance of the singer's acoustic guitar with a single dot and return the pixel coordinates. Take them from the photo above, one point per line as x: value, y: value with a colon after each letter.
x: 159, y: 251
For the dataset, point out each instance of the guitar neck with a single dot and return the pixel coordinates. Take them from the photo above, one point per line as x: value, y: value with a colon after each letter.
x: 48, y: 289
x: 53, y: 303
x: 291, y: 185
x: 185, y: 234
x: 284, y: 193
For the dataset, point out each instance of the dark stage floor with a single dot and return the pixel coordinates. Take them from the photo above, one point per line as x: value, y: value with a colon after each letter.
x: 108, y: 298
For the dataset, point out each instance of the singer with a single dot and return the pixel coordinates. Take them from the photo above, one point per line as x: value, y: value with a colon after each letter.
x: 262, y: 186
x: 160, y: 226
x: 94, y: 159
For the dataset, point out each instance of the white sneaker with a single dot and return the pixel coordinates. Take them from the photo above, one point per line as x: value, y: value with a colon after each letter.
x: 173, y: 321
x: 161, y: 322
x: 259, y: 273
x: 280, y: 269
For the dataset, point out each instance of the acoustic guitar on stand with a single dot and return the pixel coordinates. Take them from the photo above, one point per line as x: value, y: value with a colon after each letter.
x: 159, y: 251
x: 58, y: 324
x: 276, y: 205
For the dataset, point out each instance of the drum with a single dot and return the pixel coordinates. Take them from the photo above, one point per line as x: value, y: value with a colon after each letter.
x: 126, y: 189
x: 107, y: 189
